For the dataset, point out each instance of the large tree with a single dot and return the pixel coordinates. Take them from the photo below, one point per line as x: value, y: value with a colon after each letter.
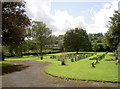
x: 14, y: 24
x: 113, y: 34
x: 42, y: 34
x: 76, y: 40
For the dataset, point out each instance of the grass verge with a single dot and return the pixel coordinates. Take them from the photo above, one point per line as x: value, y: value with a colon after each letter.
x: 4, y: 64
x: 30, y: 57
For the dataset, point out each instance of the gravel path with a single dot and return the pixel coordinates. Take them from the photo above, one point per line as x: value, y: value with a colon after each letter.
x: 34, y: 76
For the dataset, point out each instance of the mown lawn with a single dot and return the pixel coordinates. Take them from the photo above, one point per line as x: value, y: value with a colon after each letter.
x: 82, y: 70
x: 32, y: 57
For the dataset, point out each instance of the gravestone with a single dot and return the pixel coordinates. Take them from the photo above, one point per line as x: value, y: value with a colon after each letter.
x: 75, y: 59
x: 58, y: 59
x: 93, y: 65
x: 50, y: 57
x: 63, y: 62
x: 72, y: 60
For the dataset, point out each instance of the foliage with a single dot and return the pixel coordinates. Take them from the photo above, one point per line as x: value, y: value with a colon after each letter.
x: 41, y: 34
x: 95, y: 46
x: 100, y: 38
x: 113, y: 35
x: 76, y: 39
x: 60, y: 43
x: 96, y: 37
x: 14, y: 24
x: 54, y: 39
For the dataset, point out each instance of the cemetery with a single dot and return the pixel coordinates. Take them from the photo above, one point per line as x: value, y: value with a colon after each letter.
x: 81, y: 66
x: 45, y: 46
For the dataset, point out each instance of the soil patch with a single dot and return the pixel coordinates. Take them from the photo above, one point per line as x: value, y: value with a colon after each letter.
x: 13, y: 68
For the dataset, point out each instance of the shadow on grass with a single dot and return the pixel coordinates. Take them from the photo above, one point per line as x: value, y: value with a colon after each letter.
x: 13, y: 68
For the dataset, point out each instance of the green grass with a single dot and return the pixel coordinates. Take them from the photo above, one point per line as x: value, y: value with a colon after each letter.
x: 82, y: 70
x: 6, y: 64
x: 31, y: 57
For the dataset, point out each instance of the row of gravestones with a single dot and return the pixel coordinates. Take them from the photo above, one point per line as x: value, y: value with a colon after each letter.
x: 73, y: 57
x: 81, y: 56
x: 98, y: 58
x: 53, y: 57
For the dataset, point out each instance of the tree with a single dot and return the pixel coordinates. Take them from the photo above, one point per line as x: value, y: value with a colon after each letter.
x: 41, y: 34
x: 53, y: 41
x: 60, y: 42
x: 105, y: 45
x: 113, y: 34
x: 95, y: 46
x: 14, y: 23
x: 96, y: 37
x: 76, y: 39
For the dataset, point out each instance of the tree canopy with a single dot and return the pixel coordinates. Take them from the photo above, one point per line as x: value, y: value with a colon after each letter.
x: 113, y: 34
x: 42, y: 34
x: 76, y: 39
x: 14, y: 23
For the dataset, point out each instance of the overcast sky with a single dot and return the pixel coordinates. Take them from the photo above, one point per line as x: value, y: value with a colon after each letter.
x: 62, y: 15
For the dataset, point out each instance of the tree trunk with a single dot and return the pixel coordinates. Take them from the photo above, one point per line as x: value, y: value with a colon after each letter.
x: 41, y: 57
x: 41, y: 52
x: 77, y: 51
x: 3, y: 57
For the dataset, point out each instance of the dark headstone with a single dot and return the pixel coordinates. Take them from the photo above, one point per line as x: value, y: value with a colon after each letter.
x: 63, y: 63
x: 50, y: 57
x: 90, y: 58
x: 72, y: 60
x: 93, y: 65
x: 58, y: 59
x: 75, y: 59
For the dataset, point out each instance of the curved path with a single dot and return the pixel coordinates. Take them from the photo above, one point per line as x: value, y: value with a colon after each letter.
x: 34, y: 76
